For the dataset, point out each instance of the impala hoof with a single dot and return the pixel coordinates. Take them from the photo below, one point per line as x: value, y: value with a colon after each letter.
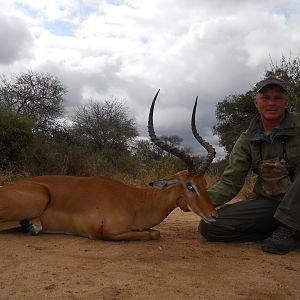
x: 30, y: 228
x: 155, y: 234
x: 33, y: 230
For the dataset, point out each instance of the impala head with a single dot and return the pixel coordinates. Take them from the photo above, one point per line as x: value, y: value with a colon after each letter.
x: 190, y: 192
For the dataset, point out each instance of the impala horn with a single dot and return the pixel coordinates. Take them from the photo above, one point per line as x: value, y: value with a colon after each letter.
x: 172, y: 150
x: 209, y: 148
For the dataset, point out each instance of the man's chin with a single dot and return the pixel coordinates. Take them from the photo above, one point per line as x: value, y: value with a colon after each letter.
x: 273, y: 116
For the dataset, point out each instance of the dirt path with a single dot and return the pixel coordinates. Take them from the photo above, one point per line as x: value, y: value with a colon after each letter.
x: 181, y: 265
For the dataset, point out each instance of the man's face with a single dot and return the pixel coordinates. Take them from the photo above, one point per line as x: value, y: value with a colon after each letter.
x: 271, y: 104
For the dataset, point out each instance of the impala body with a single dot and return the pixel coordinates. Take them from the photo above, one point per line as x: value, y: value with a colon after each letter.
x: 105, y: 208
x: 97, y: 207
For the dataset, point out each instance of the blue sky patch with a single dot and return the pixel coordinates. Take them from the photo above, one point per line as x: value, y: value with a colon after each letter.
x: 60, y: 28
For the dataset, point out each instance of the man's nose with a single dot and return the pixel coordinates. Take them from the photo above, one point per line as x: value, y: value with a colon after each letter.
x: 272, y: 100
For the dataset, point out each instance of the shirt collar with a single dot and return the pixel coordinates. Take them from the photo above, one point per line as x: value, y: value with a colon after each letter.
x: 256, y: 131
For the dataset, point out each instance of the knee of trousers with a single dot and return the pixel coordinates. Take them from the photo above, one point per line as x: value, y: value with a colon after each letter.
x: 207, y: 231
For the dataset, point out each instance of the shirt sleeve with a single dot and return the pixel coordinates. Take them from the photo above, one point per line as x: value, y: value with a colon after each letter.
x: 235, y: 173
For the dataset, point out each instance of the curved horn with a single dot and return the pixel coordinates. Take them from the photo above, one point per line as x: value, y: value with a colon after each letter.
x: 210, y: 149
x: 172, y: 150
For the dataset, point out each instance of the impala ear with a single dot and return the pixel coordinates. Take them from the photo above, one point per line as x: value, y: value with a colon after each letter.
x: 164, y: 183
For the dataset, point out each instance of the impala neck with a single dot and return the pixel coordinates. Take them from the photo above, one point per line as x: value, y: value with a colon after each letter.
x: 156, y: 206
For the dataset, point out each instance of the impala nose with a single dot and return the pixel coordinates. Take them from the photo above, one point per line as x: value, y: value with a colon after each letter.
x: 212, y: 219
x: 214, y: 215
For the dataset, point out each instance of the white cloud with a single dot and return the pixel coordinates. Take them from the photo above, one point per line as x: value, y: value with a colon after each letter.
x: 15, y: 40
x: 131, y: 48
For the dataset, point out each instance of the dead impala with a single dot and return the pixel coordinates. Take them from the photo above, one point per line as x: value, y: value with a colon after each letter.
x: 104, y: 208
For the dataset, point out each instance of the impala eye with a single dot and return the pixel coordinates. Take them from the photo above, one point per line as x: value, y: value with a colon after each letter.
x: 190, y: 188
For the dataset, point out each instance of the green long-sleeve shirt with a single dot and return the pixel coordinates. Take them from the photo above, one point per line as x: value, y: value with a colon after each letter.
x: 251, y: 147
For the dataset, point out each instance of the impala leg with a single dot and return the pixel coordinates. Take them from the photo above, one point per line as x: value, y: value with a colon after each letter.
x: 35, y: 226
x: 150, y: 234
x: 9, y: 225
x: 20, y: 203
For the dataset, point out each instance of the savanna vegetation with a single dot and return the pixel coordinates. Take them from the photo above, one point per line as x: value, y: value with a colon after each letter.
x: 98, y: 138
x: 101, y: 137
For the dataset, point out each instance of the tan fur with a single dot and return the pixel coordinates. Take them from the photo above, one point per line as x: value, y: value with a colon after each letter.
x: 98, y: 207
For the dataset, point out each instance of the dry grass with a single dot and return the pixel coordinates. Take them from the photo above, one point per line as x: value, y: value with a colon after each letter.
x: 247, y: 188
x: 7, y: 177
x: 142, y: 180
x: 211, y: 179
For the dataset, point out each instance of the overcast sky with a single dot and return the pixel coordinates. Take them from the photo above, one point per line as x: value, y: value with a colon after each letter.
x: 130, y: 48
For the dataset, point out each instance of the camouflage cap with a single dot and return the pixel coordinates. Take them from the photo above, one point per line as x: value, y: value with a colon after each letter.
x: 271, y: 80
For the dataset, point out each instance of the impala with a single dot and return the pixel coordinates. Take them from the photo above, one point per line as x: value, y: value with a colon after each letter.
x: 105, y: 208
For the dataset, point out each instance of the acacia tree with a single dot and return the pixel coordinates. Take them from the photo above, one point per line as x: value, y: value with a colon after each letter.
x: 233, y: 115
x: 36, y: 95
x: 145, y: 150
x: 105, y: 125
x: 234, y: 112
x: 289, y: 71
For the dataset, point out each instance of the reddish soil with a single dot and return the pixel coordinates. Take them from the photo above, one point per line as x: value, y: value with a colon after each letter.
x: 181, y: 265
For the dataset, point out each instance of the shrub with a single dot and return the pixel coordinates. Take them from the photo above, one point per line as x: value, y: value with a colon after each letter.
x: 16, y: 136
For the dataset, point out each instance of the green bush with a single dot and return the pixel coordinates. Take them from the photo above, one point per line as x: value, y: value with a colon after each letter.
x: 56, y: 156
x: 16, y: 136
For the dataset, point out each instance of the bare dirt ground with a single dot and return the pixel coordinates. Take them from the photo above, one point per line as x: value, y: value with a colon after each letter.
x: 181, y: 265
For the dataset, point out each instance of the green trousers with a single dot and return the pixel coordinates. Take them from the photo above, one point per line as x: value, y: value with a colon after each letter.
x: 255, y: 218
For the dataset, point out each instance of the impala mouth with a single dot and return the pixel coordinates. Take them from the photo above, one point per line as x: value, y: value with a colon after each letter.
x: 209, y: 220
x: 182, y: 204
